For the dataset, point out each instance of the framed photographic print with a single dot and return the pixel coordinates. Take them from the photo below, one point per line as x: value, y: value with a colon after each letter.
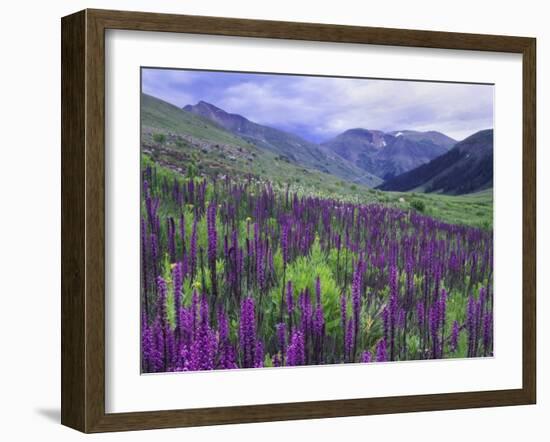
x: 269, y: 220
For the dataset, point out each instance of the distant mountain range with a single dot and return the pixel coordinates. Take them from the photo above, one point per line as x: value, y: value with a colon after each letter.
x: 387, y: 155
x: 289, y: 146
x: 399, y: 160
x: 466, y: 168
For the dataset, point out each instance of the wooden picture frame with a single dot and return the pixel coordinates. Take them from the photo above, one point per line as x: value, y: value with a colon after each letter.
x: 83, y: 220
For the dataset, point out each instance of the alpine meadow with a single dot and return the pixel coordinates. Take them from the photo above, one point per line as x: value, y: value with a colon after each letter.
x: 295, y: 220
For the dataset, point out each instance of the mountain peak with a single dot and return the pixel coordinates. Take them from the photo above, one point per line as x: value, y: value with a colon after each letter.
x: 388, y: 154
x: 216, y: 114
x: 466, y: 168
x: 207, y: 104
x: 202, y: 106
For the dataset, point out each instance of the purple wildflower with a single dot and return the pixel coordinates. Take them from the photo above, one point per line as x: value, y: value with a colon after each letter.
x: 247, y: 332
x: 471, y: 326
x: 454, y: 336
x: 259, y: 354
x: 381, y: 351
x: 296, y: 350
x: 366, y: 357
x: 281, y: 339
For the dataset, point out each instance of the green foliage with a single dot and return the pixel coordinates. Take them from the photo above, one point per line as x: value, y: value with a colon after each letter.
x: 303, y: 273
x: 159, y: 138
x: 192, y: 169
x: 418, y: 205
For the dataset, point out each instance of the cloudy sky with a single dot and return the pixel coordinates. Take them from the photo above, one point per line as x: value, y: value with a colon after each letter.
x: 318, y: 108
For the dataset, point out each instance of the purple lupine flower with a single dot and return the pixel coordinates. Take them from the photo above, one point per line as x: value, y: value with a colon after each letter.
x: 401, y: 318
x: 454, y: 336
x: 227, y: 358
x: 318, y: 290
x: 319, y: 332
x: 381, y: 351
x: 247, y: 332
x: 184, y: 266
x: 394, y: 294
x: 223, y: 326
x: 158, y: 349
x: 171, y: 350
x: 366, y: 357
x: 471, y: 326
x: 203, y: 349
x: 186, y: 324
x: 259, y: 354
x: 434, y: 318
x: 145, y: 188
x: 487, y: 332
x: 281, y: 339
x: 442, y: 310
x: 410, y: 283
x: 343, y: 310
x: 284, y: 243
x: 356, y: 297
x: 147, y: 348
x: 144, y: 264
x: 275, y: 360
x: 348, y: 338
x: 171, y: 239
x: 319, y: 321
x: 161, y: 302
x: 296, y: 350
x: 260, y: 270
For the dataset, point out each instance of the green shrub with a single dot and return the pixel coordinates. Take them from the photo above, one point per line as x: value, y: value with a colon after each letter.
x: 418, y: 205
x: 159, y: 138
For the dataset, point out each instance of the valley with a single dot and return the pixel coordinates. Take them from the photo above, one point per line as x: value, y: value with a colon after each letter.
x: 205, y: 140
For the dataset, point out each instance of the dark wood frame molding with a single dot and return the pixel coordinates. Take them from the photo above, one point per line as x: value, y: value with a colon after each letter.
x: 83, y: 217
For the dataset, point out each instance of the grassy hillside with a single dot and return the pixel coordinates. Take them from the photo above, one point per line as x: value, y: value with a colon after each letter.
x: 179, y: 140
x: 475, y: 209
x: 284, y: 144
x: 165, y: 117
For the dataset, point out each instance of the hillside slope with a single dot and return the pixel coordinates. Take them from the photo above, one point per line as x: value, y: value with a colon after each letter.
x: 288, y: 146
x: 180, y: 141
x: 466, y: 168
